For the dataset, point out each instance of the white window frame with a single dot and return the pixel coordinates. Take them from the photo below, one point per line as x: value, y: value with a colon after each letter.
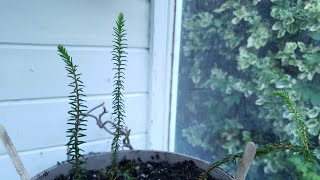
x: 160, y: 73
x: 175, y: 72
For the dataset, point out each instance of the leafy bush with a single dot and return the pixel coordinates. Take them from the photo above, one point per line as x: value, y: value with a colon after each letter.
x: 235, y: 53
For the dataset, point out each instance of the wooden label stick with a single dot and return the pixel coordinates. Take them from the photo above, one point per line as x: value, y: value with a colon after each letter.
x: 246, y: 161
x: 13, y: 153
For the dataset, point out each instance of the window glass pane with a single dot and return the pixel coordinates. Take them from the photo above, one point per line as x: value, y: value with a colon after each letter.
x: 233, y: 54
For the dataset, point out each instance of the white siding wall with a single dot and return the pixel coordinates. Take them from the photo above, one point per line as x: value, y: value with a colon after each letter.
x: 33, y: 83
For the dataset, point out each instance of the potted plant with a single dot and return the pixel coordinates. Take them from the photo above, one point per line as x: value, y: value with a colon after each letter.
x: 140, y: 164
x: 141, y: 160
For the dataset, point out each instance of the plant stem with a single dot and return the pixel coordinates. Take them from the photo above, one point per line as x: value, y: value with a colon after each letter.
x: 263, y: 150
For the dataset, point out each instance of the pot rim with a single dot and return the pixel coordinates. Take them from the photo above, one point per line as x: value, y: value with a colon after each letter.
x: 135, y: 153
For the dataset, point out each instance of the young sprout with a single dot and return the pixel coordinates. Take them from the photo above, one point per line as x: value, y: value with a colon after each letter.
x: 77, y: 114
x: 119, y: 61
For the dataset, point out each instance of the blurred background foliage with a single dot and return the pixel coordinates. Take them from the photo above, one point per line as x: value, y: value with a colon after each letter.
x: 233, y: 55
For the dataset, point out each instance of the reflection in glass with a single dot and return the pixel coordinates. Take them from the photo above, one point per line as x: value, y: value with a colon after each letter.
x: 233, y: 55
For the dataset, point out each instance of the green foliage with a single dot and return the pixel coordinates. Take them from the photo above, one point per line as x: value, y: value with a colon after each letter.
x: 78, y: 109
x: 77, y: 112
x: 261, y: 152
x: 265, y: 150
x: 306, y: 170
x: 119, y: 60
x: 301, y: 126
x: 235, y: 53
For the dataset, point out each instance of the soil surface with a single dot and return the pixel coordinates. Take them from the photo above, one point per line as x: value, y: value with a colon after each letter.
x: 138, y: 170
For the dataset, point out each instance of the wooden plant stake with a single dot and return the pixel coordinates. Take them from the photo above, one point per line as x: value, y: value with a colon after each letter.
x: 13, y: 153
x: 246, y: 161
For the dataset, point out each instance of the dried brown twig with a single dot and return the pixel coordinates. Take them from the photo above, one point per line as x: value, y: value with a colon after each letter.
x: 102, y: 125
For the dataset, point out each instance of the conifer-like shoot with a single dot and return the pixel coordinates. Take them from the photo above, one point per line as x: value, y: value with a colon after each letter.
x: 77, y: 113
x: 119, y: 56
x: 302, y: 130
x: 303, y: 148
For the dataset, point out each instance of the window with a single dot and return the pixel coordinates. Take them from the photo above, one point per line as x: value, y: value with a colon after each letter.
x: 229, y: 57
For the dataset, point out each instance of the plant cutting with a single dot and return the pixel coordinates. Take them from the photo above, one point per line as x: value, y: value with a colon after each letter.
x: 77, y: 114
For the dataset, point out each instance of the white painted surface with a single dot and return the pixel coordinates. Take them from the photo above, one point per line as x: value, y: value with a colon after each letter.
x: 160, y: 73
x: 38, y: 124
x: 175, y: 73
x: 33, y: 83
x: 38, y: 72
x: 72, y: 22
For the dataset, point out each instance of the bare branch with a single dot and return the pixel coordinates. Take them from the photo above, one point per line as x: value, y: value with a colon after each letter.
x: 102, y: 125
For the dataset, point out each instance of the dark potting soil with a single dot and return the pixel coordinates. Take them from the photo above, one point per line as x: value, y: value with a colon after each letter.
x: 138, y: 170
